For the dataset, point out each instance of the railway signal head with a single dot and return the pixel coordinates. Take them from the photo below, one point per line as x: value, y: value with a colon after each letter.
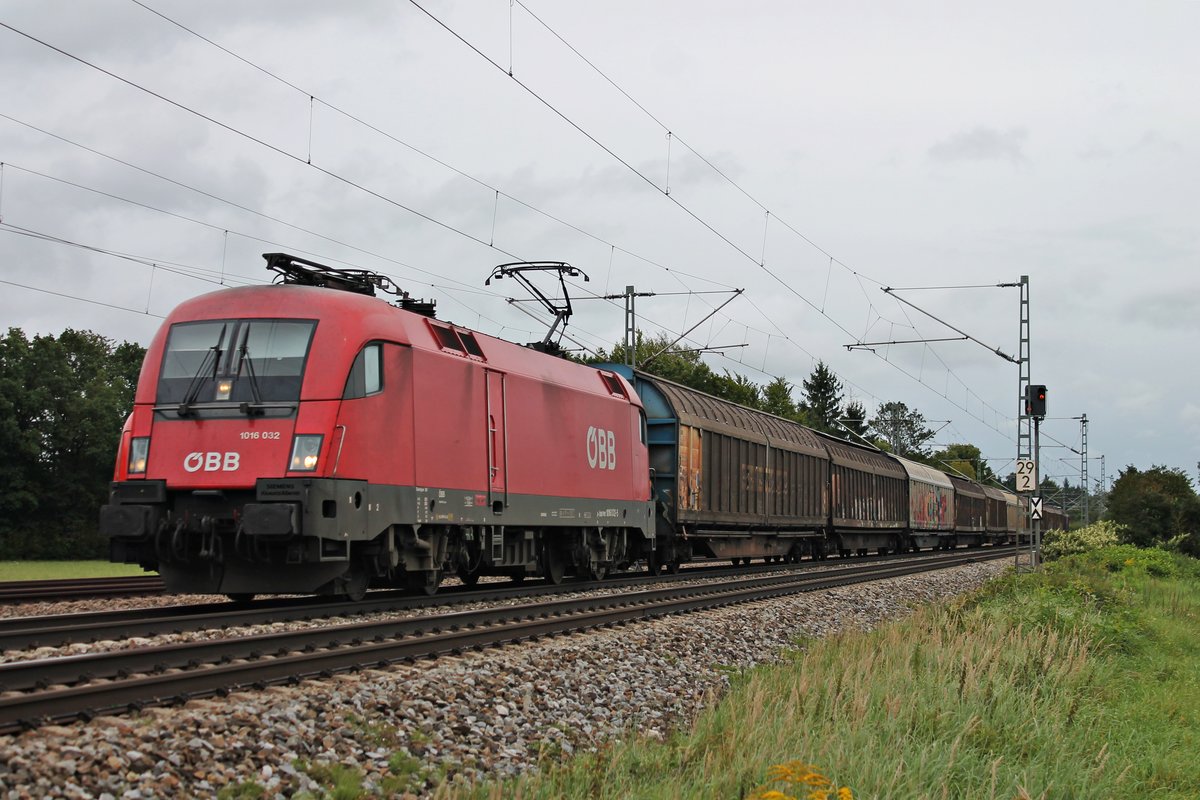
x: 1035, y: 401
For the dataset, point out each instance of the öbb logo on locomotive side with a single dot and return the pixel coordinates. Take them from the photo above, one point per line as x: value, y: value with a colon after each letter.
x: 212, y: 462
x: 601, y: 448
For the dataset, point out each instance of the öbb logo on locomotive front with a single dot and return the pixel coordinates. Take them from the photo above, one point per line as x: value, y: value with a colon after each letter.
x: 212, y: 462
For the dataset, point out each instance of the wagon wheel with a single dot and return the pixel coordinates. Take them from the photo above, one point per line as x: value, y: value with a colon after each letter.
x: 354, y: 585
x: 241, y: 598
x: 468, y: 577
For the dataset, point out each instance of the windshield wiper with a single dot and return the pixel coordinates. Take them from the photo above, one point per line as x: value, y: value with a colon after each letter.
x: 193, y: 390
x: 245, y: 360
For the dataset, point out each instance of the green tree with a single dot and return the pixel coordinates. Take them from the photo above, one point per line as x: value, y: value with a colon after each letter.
x: 659, y: 357
x: 822, y: 402
x: 967, y: 459
x: 737, y: 389
x: 62, y: 404
x: 855, y: 418
x: 902, y: 429
x: 1155, y: 506
x: 777, y: 399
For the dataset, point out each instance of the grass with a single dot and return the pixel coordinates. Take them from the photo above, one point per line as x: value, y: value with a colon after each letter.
x: 1080, y: 682
x: 50, y: 570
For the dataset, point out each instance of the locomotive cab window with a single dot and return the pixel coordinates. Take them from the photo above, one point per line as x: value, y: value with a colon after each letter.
x: 234, y: 361
x: 366, y: 374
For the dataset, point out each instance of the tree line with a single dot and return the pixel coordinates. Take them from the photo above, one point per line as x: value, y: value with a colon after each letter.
x: 63, y: 401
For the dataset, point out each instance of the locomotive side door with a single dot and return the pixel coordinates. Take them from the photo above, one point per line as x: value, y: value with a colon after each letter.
x: 497, y: 444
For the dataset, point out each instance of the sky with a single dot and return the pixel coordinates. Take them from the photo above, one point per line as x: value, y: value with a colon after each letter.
x: 810, y: 154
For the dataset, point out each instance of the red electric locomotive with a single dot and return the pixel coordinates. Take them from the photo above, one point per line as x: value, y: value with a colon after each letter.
x: 290, y: 438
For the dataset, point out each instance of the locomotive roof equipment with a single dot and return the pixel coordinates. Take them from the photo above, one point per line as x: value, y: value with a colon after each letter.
x: 302, y: 272
x: 560, y: 309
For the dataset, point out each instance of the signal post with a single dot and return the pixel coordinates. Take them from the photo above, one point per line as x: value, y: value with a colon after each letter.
x: 1035, y: 407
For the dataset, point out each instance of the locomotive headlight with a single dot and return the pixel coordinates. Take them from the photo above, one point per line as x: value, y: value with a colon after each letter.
x: 224, y: 388
x: 306, y: 449
x: 139, y: 451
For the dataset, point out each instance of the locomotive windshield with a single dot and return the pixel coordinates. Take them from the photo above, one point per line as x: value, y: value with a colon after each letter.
x: 234, y: 361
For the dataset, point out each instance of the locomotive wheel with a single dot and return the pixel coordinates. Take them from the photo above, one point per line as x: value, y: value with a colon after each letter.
x: 555, y: 565
x: 425, y: 582
x: 467, y: 577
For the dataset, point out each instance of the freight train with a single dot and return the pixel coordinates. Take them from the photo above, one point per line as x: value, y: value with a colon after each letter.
x: 309, y: 437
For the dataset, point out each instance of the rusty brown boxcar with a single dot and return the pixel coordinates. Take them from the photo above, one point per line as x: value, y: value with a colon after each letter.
x: 868, y: 499
x: 732, y: 482
x: 997, y: 514
x: 970, y: 512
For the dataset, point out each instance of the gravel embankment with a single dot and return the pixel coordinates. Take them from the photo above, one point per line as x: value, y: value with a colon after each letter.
x: 481, y: 715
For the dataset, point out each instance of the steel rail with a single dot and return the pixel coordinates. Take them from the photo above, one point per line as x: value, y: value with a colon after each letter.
x: 181, y: 672
x: 18, y: 633
x: 78, y: 588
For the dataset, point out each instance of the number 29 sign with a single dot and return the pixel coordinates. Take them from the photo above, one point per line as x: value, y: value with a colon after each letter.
x: 1026, y: 476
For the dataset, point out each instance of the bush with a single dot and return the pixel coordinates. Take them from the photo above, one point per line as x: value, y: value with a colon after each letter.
x: 1187, y: 544
x: 1082, y: 540
x: 1154, y: 562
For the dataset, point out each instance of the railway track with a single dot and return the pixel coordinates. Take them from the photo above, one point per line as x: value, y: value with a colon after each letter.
x: 72, y: 687
x: 18, y: 633
x: 79, y: 588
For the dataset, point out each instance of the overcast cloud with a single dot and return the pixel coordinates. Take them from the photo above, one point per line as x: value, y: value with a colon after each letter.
x: 921, y: 144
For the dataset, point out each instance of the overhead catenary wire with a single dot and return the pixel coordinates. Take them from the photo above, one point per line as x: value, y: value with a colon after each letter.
x: 269, y: 146
x: 687, y: 210
x: 669, y: 133
x: 261, y: 142
x: 224, y: 231
x: 281, y: 151
x: 498, y: 192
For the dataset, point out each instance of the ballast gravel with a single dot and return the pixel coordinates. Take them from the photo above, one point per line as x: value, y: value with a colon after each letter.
x: 483, y: 715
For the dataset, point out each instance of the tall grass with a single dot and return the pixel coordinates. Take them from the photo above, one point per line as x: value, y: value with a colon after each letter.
x: 51, y: 570
x: 1080, y: 683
